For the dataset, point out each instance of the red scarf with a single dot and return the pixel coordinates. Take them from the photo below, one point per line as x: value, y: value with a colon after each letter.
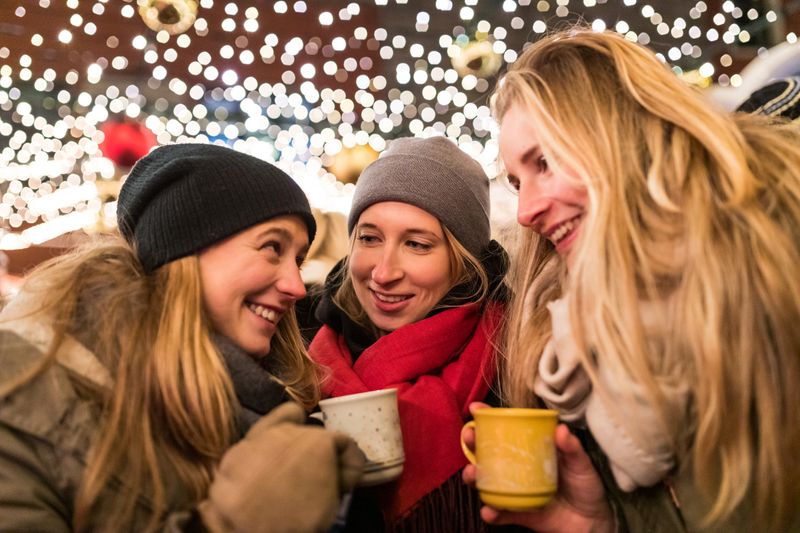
x: 439, y: 365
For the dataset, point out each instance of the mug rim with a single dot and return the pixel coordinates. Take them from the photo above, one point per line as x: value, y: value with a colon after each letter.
x: 516, y: 412
x: 358, y: 396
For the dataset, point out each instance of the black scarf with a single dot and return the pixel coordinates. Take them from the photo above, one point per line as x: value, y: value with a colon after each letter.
x: 493, y: 258
x: 256, y: 388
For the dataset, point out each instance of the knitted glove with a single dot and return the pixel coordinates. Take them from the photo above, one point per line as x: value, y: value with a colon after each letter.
x: 282, y: 477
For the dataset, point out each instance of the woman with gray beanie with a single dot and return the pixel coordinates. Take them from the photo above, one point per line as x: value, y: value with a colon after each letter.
x: 414, y: 306
x: 144, y: 379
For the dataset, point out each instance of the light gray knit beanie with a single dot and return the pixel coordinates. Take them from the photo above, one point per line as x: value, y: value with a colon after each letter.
x: 435, y: 175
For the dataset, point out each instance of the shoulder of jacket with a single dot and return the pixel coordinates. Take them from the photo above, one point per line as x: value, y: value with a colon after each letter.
x: 39, y: 404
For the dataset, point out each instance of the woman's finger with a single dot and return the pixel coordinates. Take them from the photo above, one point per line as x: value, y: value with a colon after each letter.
x: 468, y: 436
x: 474, y: 406
x: 469, y: 474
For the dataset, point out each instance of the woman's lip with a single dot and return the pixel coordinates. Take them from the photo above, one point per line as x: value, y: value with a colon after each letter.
x: 263, y: 322
x: 388, y: 307
x: 565, y: 244
x: 266, y: 311
x: 574, y: 221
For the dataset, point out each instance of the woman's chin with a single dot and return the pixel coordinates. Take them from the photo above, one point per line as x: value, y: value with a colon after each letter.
x: 387, y: 326
x: 257, y: 347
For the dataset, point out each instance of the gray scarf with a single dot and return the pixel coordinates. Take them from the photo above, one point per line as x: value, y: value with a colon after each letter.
x: 256, y: 388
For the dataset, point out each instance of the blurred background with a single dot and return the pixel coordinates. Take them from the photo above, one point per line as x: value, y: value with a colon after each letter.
x: 318, y: 87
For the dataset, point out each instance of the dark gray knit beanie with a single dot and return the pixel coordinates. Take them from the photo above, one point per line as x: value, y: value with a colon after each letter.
x: 435, y: 175
x: 182, y: 198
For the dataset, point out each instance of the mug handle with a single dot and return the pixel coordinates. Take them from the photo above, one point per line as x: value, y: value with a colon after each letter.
x: 467, y: 452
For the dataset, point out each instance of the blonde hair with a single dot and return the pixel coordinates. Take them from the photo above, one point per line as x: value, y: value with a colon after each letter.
x: 465, y: 269
x: 173, y: 403
x: 689, y: 207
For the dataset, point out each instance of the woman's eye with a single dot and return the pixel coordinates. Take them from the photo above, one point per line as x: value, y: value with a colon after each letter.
x: 419, y: 246
x: 513, y: 181
x: 541, y: 164
x: 367, y: 239
x: 272, y: 246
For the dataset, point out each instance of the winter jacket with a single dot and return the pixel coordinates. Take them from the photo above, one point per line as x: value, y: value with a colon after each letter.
x: 48, y: 424
x: 43, y: 450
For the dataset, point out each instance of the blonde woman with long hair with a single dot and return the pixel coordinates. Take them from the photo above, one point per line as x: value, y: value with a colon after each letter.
x: 131, y: 368
x: 657, y: 290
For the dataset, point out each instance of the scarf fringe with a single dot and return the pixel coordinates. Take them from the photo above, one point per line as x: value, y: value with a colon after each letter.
x: 451, y: 507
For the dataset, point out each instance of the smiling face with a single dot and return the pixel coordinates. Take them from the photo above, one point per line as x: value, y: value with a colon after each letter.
x: 551, y: 204
x: 399, y: 265
x: 252, y: 279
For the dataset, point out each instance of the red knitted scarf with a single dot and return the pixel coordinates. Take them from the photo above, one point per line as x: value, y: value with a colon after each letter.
x: 439, y: 365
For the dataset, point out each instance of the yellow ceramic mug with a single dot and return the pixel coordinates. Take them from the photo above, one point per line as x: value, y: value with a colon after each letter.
x: 515, y: 454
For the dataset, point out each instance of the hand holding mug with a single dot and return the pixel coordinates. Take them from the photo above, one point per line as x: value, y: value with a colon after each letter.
x: 579, y: 504
x: 515, y: 455
x: 282, y: 476
x: 372, y: 420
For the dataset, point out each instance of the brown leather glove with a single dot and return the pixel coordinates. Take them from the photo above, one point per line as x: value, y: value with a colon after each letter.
x: 282, y: 477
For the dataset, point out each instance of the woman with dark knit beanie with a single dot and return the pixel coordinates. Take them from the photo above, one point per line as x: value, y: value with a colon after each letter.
x: 130, y: 368
x: 415, y: 306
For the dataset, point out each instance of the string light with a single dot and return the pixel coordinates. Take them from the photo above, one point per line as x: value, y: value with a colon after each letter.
x: 241, y: 75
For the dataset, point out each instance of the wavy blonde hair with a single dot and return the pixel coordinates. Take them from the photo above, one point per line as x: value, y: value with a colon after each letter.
x: 687, y: 206
x: 465, y: 268
x: 172, y: 402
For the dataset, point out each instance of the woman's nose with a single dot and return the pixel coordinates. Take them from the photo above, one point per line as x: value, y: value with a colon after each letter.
x: 387, y: 270
x: 532, y: 205
x: 291, y: 283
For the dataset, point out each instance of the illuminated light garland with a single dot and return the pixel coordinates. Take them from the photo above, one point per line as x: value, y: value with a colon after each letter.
x: 352, y: 79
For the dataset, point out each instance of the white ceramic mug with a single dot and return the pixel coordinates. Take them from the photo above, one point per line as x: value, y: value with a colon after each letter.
x: 371, y: 419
